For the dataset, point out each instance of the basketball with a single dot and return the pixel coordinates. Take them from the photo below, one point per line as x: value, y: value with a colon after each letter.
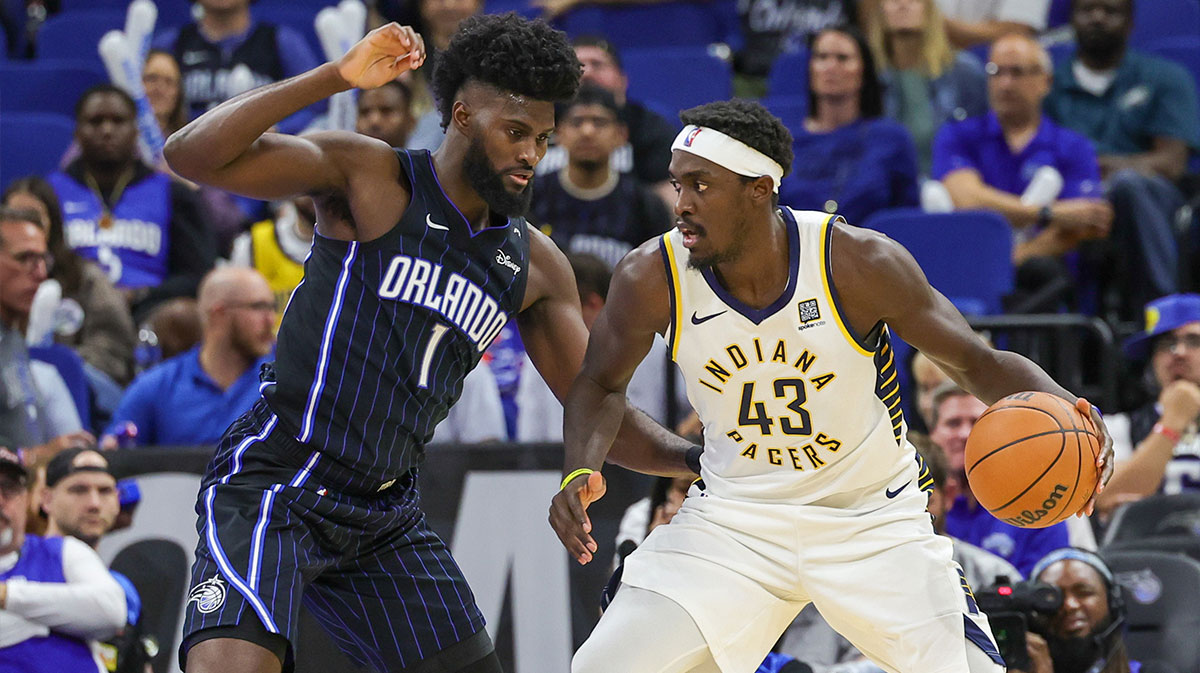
x: 1031, y: 459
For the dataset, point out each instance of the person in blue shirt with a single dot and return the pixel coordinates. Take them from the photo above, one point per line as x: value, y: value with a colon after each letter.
x: 849, y: 159
x: 227, y: 36
x: 1141, y: 113
x: 192, y: 398
x: 997, y: 161
x: 955, y: 412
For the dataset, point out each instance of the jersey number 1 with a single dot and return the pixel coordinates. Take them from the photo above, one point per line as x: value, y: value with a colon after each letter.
x: 435, y: 337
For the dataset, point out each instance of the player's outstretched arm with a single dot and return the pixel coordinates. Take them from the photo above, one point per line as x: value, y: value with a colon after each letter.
x: 878, y: 279
x: 597, y: 412
x: 229, y: 147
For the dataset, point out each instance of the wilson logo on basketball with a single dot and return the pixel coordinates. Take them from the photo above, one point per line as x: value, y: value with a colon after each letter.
x: 1028, y: 517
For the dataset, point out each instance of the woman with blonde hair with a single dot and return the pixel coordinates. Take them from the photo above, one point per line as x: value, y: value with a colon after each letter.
x: 926, y: 81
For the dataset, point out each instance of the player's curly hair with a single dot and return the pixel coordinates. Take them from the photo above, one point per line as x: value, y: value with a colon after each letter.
x: 748, y: 122
x: 511, y: 53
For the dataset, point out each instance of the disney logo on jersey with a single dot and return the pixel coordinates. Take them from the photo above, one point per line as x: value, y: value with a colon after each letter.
x: 208, y: 595
x: 503, y: 259
x: 461, y: 302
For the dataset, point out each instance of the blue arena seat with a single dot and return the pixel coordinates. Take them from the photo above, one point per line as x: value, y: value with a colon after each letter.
x: 47, y: 85
x: 33, y: 142
x: 791, y: 110
x: 1162, y: 613
x: 682, y: 77
x: 789, y: 74
x: 966, y: 255
x: 1153, y: 21
x: 666, y: 24
x: 297, y: 17
x: 77, y: 34
x: 70, y: 368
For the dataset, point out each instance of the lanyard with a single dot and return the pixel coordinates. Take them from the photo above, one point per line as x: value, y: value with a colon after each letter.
x: 106, y: 217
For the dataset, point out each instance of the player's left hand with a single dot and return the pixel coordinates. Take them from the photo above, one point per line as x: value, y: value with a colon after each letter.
x: 568, y: 515
x: 1104, y: 461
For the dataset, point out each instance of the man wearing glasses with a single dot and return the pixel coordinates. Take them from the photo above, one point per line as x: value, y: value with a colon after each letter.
x: 190, y: 399
x: 1043, y: 178
x: 1166, y: 452
x: 38, y: 417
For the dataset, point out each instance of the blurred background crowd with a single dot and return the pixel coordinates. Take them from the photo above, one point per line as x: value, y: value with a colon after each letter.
x: 1039, y: 158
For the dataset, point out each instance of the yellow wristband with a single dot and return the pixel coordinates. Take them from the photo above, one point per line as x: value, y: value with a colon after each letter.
x: 566, y: 480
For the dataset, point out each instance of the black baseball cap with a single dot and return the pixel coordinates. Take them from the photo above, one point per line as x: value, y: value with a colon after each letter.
x: 10, y: 463
x: 63, y: 465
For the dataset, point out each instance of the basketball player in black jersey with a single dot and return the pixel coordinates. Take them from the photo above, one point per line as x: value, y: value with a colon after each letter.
x: 418, y: 261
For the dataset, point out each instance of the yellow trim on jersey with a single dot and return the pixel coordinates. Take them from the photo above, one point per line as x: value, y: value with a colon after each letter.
x: 826, y: 272
x: 673, y: 271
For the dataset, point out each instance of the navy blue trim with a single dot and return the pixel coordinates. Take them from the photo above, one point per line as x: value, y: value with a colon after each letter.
x: 982, y: 640
x: 757, y: 315
x: 671, y: 327
x: 833, y: 293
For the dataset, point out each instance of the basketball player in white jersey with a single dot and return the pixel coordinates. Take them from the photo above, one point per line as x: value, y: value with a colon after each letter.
x: 780, y: 322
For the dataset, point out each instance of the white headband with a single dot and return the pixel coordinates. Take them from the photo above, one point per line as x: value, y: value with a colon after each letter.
x: 727, y: 152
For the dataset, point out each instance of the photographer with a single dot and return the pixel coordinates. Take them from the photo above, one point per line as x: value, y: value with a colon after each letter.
x: 1085, y: 634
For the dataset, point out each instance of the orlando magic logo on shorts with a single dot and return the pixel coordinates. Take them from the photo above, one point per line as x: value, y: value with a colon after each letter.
x: 208, y: 595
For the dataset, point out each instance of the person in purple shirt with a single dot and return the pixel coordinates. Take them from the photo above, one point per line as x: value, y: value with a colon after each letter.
x: 193, y: 397
x: 225, y: 37
x: 955, y: 412
x: 849, y: 159
x: 1009, y: 161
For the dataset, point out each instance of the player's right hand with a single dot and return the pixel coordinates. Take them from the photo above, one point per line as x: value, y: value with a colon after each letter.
x: 381, y: 56
x: 568, y: 515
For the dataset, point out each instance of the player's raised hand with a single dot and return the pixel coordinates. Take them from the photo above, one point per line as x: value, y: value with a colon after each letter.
x: 568, y: 515
x: 381, y: 56
x: 1104, y: 461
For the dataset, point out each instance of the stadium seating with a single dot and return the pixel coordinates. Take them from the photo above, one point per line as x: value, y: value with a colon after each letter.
x: 966, y: 255
x: 681, y: 77
x: 33, y: 142
x: 1163, y: 615
x: 70, y: 368
x: 791, y: 110
x: 1158, y: 19
x: 77, y: 34
x: 159, y: 570
x: 297, y: 17
x: 47, y: 86
x: 1157, y: 515
x: 668, y: 24
x: 789, y: 75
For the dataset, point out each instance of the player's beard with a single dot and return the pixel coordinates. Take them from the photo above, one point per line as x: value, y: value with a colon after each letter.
x: 489, y: 184
x: 729, y: 254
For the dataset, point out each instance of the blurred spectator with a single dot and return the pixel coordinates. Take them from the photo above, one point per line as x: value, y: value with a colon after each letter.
x: 927, y: 377
x: 540, y: 414
x: 191, y: 398
x: 385, y: 113
x: 277, y: 248
x: 1166, y: 458
x: 37, y: 414
x: 55, y: 593
x: 477, y: 416
x: 81, y: 501
x: 972, y: 22
x: 650, y: 136
x: 105, y: 337
x: 954, y: 414
x: 773, y: 27
x: 209, y: 52
x: 1141, y: 113
x: 849, y: 159
x: 925, y: 81
x: 1087, y: 634
x: 587, y: 206
x: 999, y: 161
x: 440, y: 18
x: 164, y: 89
x: 146, y: 231
x: 177, y: 326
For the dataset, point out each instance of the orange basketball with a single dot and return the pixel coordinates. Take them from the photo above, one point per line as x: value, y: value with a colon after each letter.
x: 1031, y: 459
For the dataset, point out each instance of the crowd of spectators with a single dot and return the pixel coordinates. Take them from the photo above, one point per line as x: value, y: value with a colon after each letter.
x: 136, y: 309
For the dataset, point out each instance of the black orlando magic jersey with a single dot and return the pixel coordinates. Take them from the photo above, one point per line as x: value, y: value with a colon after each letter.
x: 377, y: 339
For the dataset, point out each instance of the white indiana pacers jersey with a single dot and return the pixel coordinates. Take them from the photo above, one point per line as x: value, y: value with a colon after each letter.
x: 796, y: 408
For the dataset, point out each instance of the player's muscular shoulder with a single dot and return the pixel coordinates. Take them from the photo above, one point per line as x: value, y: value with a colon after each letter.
x: 873, y: 274
x: 371, y: 197
x: 640, y: 289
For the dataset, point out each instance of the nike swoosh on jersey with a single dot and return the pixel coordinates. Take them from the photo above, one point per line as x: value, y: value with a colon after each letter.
x: 434, y: 225
x: 891, y: 494
x: 696, y: 320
